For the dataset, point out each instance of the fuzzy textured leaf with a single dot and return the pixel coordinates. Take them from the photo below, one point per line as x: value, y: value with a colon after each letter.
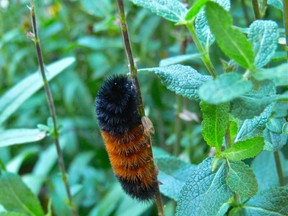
x: 255, y: 126
x: 264, y: 167
x: 272, y: 202
x: 231, y: 40
x: 214, y: 124
x: 254, y: 102
x: 172, y: 174
x: 277, y: 74
x: 23, y: 90
x: 225, y: 88
x: 172, y: 10
x: 276, y: 3
x: 264, y: 37
x: 241, y: 179
x: 244, y: 149
x: 183, y: 80
x: 201, y: 24
x: 15, y: 196
x: 20, y: 136
x: 205, y: 192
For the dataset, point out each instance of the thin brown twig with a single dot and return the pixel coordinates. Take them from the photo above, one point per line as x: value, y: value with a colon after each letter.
x: 256, y: 9
x: 51, y: 105
x: 279, y: 168
x: 133, y: 72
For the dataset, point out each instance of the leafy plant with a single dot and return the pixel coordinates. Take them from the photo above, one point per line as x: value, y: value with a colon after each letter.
x: 227, y: 70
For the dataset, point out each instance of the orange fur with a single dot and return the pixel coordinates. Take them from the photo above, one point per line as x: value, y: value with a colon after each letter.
x: 130, y: 155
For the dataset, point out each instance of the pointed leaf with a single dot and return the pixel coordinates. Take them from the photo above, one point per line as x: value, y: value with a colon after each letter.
x: 255, y: 126
x: 23, y: 90
x: 231, y: 40
x: 173, y: 173
x: 225, y: 88
x: 15, y: 196
x: 277, y: 74
x: 254, y: 102
x: 272, y: 202
x: 241, y: 179
x: 201, y: 24
x: 215, y: 122
x: 194, y: 10
x: 172, y: 10
x: 183, y: 80
x: 264, y: 37
x: 205, y: 191
x: 244, y: 149
x: 20, y: 136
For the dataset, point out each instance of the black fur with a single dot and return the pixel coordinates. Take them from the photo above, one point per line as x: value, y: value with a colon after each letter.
x: 116, y: 105
x: 137, y: 190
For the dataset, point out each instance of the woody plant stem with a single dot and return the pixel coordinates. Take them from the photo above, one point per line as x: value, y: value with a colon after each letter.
x: 51, y: 105
x: 133, y: 72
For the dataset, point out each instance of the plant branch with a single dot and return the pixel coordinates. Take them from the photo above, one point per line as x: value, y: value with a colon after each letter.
x: 205, y: 56
x: 279, y: 168
x: 256, y: 9
x: 51, y: 105
x: 129, y: 54
x: 285, y: 21
x: 133, y: 72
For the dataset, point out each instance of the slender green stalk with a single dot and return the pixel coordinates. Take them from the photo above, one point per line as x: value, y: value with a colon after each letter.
x: 285, y: 21
x: 51, y: 105
x: 256, y: 9
x: 205, y: 56
x: 133, y: 72
x: 279, y: 168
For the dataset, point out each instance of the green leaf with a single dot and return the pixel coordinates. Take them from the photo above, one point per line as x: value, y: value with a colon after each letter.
x: 276, y: 3
x: 101, y: 8
x: 178, y: 59
x: 274, y: 141
x: 172, y: 10
x: 264, y: 37
x: 231, y: 40
x: 244, y: 149
x: 205, y: 191
x: 20, y: 136
x: 173, y: 173
x: 254, y: 102
x: 277, y: 74
x: 241, y: 179
x: 183, y: 80
x: 15, y: 196
x: 201, y: 24
x: 11, y: 214
x: 265, y: 170
x: 214, y: 124
x: 194, y: 10
x: 255, y: 126
x: 100, y: 43
x: 225, y: 88
x: 272, y: 202
x: 23, y: 90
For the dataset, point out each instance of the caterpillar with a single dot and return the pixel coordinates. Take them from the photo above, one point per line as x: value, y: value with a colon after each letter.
x: 125, y: 137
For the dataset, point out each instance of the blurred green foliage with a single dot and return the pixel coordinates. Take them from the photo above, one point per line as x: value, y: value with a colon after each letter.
x: 88, y: 31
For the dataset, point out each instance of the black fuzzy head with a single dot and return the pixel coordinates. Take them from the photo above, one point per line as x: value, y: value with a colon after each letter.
x: 116, y: 105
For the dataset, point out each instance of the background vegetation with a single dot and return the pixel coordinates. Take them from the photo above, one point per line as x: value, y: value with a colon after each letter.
x: 82, y: 45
